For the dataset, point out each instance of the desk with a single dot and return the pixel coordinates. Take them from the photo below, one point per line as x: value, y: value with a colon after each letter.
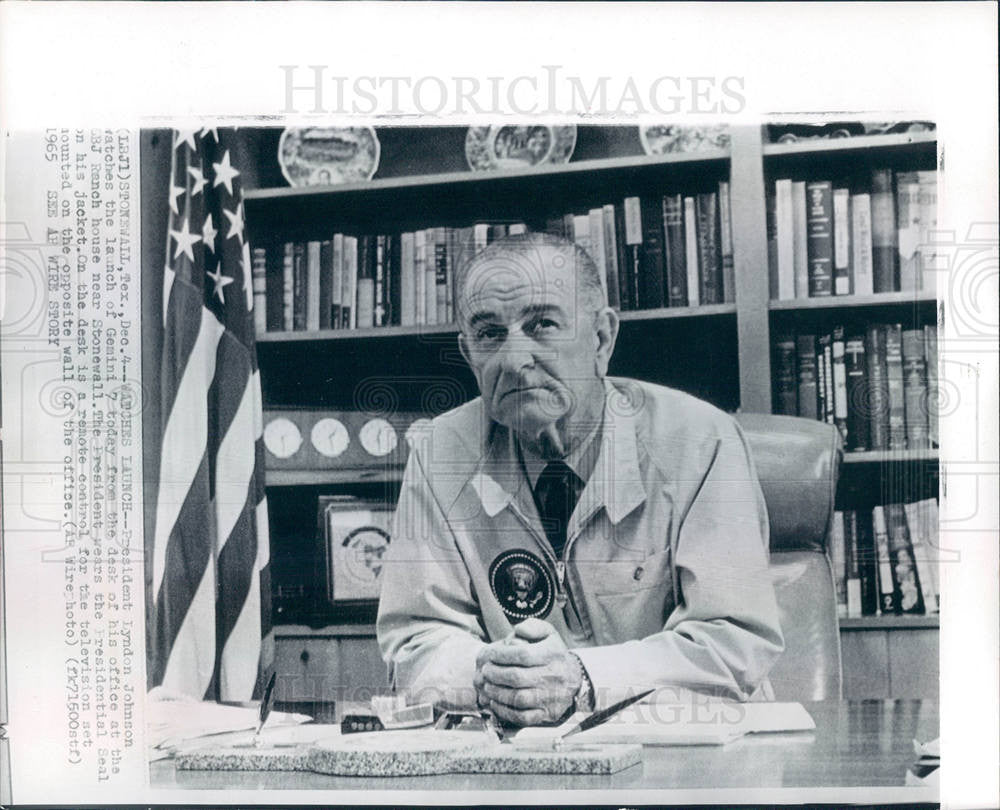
x: 855, y: 743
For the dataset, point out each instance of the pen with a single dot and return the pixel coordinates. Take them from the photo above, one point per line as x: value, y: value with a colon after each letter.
x: 265, y: 706
x: 602, y: 716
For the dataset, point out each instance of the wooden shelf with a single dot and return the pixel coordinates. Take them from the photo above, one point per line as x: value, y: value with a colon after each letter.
x: 909, y: 622
x: 458, y: 178
x: 852, y: 301
x: 860, y: 143
x: 890, y: 456
x: 316, y: 478
x: 677, y: 312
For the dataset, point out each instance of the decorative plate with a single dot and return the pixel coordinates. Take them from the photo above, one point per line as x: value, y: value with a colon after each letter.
x: 660, y: 140
x: 325, y: 156
x: 518, y: 147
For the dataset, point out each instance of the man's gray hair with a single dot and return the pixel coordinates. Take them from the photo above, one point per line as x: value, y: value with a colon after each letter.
x: 521, y: 255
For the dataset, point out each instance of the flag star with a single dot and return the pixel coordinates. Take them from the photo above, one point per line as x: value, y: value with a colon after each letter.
x: 213, y: 131
x: 199, y: 180
x: 220, y: 282
x: 208, y: 233
x: 175, y: 192
x: 235, y: 222
x: 186, y: 136
x: 185, y: 239
x: 225, y: 173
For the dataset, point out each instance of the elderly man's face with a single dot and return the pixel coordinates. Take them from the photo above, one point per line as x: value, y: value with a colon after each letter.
x: 534, y: 341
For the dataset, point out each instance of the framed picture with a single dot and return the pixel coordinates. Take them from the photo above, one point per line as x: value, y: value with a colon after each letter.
x: 355, y: 535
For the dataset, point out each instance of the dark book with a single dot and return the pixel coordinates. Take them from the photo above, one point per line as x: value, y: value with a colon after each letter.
x: 824, y: 361
x: 675, y: 261
x: 857, y: 393
x: 894, y: 384
x: 907, y: 597
x: 611, y: 256
x: 867, y: 561
x: 709, y: 253
x: 770, y: 203
x: 819, y: 237
x: 393, y: 280
x: 631, y: 267
x: 877, y: 398
x: 786, y: 395
x: 365, y: 303
x: 441, y: 274
x: 275, y: 283
x: 326, y: 284
x: 838, y: 347
x: 931, y: 361
x: 915, y: 389
x: 653, y: 276
x: 806, y: 347
x: 886, y: 590
x: 288, y: 287
x: 299, y: 283
x: 885, y: 272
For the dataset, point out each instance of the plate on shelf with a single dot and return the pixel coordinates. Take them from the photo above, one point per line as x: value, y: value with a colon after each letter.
x: 518, y: 147
x: 327, y: 156
x: 662, y: 140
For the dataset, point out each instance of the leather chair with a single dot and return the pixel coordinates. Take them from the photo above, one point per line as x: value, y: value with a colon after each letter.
x: 798, y: 461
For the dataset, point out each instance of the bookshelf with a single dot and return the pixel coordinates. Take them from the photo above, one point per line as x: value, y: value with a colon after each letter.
x: 319, y: 369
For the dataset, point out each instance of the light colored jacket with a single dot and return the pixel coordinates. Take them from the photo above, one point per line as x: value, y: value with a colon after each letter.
x: 665, y: 581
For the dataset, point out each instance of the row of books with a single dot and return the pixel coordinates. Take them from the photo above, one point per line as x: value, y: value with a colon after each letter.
x: 879, y: 386
x: 673, y: 251
x: 885, y: 559
x: 826, y: 239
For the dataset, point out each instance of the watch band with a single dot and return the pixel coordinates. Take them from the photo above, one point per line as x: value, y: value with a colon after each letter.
x: 584, y: 699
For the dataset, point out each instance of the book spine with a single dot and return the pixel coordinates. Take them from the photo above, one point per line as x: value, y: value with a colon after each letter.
x: 894, y: 379
x: 838, y: 349
x: 786, y: 380
x: 299, y: 283
x: 611, y: 256
x: 784, y: 220
x: 771, y: 222
x: 853, y: 582
x: 826, y: 347
x: 822, y: 341
x: 407, y: 281
x: 258, y: 280
x: 519, y: 228
x: 451, y: 264
x: 313, y: 252
x: 861, y: 244
x: 857, y: 394
x: 366, y: 282
x: 430, y: 275
x: 906, y: 581
x: 838, y: 562
x: 325, y: 283
x: 927, y: 203
x: 915, y: 389
x: 878, y: 392
x: 931, y: 362
x: 819, y: 237
x: 420, y: 278
x: 275, y: 283
x: 885, y: 274
x: 674, y: 251
x: 483, y: 234
x: 841, y: 241
x: 336, y: 308
x: 441, y: 275
x: 806, y: 346
x: 691, y: 253
x: 709, y: 261
x: 726, y: 245
x: 908, y: 229
x: 393, y: 280
x: 927, y: 510
x: 867, y: 561
x: 922, y: 555
x: 349, y: 296
x: 581, y: 232
x: 653, y: 275
x: 886, y: 592
x: 800, y: 240
x: 288, y: 288
x: 632, y: 210
x: 595, y: 227
x: 380, y: 301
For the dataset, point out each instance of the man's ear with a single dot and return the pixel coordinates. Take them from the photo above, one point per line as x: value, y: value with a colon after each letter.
x: 606, y: 331
x: 463, y: 347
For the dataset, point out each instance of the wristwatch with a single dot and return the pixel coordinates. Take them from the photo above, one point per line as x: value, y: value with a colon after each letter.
x: 584, y: 699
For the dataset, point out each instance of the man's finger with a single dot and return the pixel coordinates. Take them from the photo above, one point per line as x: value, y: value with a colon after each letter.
x: 520, y: 699
x: 513, y: 677
x: 533, y: 630
x: 518, y: 717
x: 518, y: 655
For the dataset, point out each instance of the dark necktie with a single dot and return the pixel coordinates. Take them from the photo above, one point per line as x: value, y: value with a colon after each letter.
x: 556, y: 493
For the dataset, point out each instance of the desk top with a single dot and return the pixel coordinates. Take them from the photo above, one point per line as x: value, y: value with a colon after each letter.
x: 855, y: 744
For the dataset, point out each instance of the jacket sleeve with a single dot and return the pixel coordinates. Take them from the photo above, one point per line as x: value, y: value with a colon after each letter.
x: 724, y: 634
x: 428, y: 623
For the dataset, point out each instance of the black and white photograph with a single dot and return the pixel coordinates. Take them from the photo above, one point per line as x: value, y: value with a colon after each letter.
x: 521, y: 437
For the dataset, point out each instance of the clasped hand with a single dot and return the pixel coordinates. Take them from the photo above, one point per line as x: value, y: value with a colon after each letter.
x: 529, y: 678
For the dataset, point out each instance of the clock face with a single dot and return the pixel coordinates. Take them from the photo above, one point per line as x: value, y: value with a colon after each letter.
x: 282, y: 437
x: 378, y: 437
x: 330, y: 437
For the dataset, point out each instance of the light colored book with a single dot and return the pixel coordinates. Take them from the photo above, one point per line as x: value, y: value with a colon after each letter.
x: 691, y: 251
x: 595, y: 222
x: 312, y: 286
x: 921, y: 519
x: 337, y: 283
x: 349, y: 300
x: 784, y: 223
x: 841, y: 241
x: 420, y: 277
x: 800, y: 240
x: 908, y: 229
x: 931, y: 260
x: 430, y: 276
x: 407, y: 281
x: 861, y: 244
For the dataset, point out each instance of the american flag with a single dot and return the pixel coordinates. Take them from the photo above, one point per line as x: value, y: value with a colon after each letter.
x: 210, y: 623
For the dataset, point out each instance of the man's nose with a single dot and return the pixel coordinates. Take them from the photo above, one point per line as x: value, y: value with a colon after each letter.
x: 516, y: 353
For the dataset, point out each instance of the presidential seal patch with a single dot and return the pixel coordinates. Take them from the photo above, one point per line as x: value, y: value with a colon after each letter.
x: 522, y: 585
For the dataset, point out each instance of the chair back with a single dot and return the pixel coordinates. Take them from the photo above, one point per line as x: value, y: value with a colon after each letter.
x: 798, y: 462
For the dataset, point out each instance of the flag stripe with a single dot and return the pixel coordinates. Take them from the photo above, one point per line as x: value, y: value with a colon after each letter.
x: 192, y: 652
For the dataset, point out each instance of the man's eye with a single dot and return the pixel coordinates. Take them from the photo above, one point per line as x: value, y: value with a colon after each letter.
x: 489, y: 333
x: 542, y: 326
